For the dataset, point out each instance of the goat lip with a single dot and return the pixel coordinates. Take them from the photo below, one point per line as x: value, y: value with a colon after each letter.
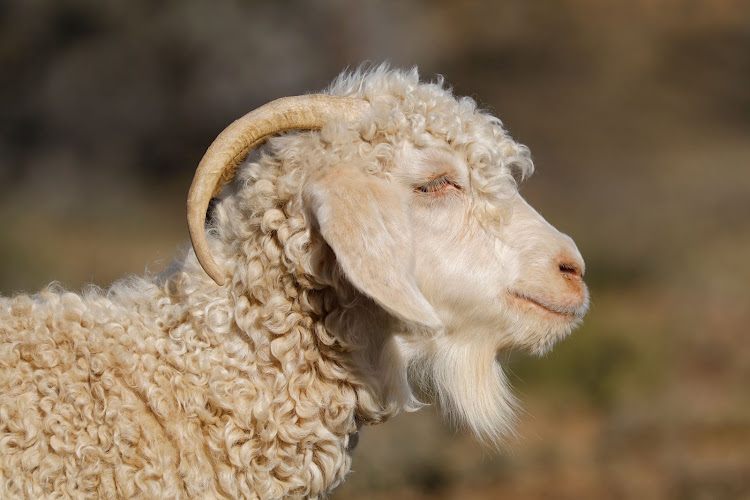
x: 557, y: 310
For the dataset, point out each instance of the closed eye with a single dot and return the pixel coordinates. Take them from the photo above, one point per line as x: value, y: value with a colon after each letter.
x: 434, y: 187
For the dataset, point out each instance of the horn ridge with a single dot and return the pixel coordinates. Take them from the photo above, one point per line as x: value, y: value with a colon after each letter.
x: 234, y: 143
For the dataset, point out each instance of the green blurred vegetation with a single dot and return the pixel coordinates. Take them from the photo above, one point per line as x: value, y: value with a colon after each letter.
x: 638, y: 117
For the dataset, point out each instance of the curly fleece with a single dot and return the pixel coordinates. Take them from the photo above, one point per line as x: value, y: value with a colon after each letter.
x: 172, y: 387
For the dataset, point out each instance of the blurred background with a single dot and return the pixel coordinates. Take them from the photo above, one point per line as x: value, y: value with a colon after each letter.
x: 638, y: 117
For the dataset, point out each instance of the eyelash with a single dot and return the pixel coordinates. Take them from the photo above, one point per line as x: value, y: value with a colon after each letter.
x: 436, y: 186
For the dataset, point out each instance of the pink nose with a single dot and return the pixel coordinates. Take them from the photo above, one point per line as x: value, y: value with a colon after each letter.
x: 570, y: 267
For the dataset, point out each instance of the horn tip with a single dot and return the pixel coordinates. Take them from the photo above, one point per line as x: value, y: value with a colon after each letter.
x: 213, y: 271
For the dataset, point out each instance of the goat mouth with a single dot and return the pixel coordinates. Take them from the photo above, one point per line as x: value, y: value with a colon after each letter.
x: 569, y: 313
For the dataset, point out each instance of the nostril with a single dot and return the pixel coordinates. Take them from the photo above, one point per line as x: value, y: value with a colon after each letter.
x: 570, y: 270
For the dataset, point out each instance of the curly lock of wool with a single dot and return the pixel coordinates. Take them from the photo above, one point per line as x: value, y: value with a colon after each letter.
x: 362, y: 258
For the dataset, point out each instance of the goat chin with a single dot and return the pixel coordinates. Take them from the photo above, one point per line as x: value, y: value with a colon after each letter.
x: 470, y: 387
x: 463, y: 374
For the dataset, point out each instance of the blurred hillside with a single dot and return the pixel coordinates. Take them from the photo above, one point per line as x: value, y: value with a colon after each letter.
x: 638, y: 117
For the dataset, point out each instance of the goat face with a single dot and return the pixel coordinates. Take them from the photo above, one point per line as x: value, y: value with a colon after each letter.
x: 480, y: 273
x: 515, y: 281
x: 419, y: 244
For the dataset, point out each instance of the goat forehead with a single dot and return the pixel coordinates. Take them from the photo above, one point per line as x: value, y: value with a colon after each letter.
x: 402, y: 104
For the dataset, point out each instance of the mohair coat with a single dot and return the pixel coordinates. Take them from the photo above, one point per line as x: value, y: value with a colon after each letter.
x: 174, y: 387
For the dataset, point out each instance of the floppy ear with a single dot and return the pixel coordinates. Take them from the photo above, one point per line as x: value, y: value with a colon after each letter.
x: 365, y: 221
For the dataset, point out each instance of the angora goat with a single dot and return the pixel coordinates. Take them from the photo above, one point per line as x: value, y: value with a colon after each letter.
x: 379, y: 246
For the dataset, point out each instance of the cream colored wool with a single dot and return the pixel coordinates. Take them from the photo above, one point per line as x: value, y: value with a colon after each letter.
x: 174, y: 387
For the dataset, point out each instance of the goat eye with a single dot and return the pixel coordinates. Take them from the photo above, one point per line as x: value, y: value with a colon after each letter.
x: 434, y: 186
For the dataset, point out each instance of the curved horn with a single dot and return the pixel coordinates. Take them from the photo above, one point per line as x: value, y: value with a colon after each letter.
x: 233, y: 145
